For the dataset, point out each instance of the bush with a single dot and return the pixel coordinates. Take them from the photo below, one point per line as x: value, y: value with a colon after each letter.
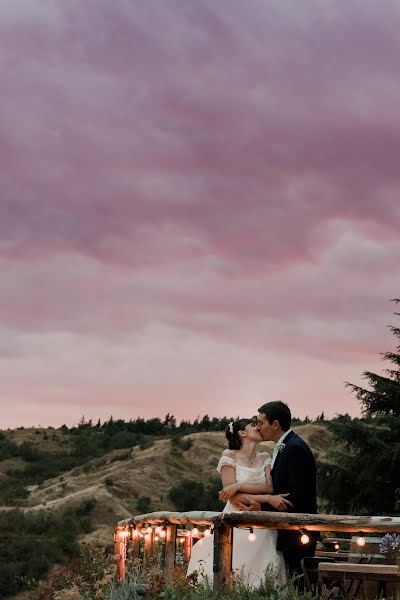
x: 143, y: 505
x: 191, y: 494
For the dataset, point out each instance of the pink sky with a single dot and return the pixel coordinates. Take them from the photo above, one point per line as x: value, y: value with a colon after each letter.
x: 199, y: 205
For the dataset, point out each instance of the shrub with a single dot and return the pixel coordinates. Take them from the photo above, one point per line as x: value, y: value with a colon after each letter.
x: 143, y: 505
x: 191, y: 494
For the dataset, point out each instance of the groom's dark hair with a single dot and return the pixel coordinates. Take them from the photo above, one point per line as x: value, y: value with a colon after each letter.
x: 277, y: 411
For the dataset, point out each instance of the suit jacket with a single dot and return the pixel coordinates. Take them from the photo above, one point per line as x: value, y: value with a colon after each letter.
x: 294, y: 472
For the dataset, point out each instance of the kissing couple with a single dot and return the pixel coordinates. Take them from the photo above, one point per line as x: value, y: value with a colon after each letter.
x: 256, y: 481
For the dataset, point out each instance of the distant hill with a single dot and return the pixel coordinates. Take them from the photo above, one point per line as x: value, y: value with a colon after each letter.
x: 119, y: 479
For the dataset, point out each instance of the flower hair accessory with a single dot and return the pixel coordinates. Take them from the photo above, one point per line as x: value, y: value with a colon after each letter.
x: 230, y: 427
x: 280, y: 447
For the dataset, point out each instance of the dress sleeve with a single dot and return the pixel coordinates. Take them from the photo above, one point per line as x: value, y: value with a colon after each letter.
x: 225, y: 461
x: 267, y: 461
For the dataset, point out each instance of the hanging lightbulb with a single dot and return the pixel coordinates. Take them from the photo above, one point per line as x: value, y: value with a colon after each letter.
x: 207, y: 533
x: 182, y: 540
x: 252, y: 536
x: 156, y: 538
x: 195, y: 531
x: 304, y: 537
x: 123, y: 534
x: 149, y: 529
x: 361, y: 541
x: 337, y: 547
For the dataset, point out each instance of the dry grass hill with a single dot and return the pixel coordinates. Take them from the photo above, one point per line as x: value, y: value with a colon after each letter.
x: 118, y: 479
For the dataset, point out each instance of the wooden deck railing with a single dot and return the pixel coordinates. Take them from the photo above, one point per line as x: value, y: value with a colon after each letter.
x: 143, y: 530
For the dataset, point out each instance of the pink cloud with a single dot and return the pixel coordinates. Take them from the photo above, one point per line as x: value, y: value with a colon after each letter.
x: 225, y: 170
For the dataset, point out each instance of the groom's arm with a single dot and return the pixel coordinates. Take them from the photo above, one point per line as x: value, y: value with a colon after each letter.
x: 272, y: 502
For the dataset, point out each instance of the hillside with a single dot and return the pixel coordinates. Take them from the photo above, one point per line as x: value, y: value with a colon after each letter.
x: 118, y: 479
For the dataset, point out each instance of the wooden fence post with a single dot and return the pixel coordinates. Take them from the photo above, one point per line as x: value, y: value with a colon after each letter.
x: 170, y: 552
x: 148, y: 548
x: 222, y: 556
x: 134, y: 545
x: 120, y: 550
x: 188, y: 546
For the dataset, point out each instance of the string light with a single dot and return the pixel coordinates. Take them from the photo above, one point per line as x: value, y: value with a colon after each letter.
x: 360, y: 541
x: 207, y: 533
x: 252, y: 536
x: 195, y: 531
x: 337, y: 547
x: 304, y: 537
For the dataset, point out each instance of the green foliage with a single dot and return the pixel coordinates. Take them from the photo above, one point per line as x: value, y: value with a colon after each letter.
x: 87, y: 576
x: 30, y: 542
x: 191, y: 494
x: 362, y: 476
x: 143, y: 504
x: 178, y: 445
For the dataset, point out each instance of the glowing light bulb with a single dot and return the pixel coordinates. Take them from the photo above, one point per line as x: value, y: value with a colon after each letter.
x: 123, y: 534
x: 181, y: 540
x: 252, y: 536
x: 156, y: 538
x: 337, y: 546
x: 157, y: 530
x: 195, y: 531
x: 149, y: 529
x: 207, y: 533
x: 361, y: 541
x: 304, y: 538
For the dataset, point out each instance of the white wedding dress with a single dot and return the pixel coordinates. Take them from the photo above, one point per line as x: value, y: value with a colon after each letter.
x: 249, y: 559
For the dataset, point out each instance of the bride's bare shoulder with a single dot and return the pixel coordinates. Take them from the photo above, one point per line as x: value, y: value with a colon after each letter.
x: 230, y: 453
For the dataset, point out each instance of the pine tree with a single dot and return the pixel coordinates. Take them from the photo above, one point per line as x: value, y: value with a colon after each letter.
x: 364, y: 476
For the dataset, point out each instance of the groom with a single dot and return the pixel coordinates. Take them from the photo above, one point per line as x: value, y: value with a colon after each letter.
x: 293, y: 473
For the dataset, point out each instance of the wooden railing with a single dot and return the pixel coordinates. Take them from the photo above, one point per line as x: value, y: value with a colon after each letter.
x: 167, y: 527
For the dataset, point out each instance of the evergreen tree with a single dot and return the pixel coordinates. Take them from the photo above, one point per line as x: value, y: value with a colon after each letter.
x: 363, y: 476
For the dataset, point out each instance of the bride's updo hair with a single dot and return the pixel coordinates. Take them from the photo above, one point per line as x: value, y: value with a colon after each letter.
x: 232, y: 432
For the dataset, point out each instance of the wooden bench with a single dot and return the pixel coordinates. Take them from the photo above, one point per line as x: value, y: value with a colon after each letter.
x: 346, y: 573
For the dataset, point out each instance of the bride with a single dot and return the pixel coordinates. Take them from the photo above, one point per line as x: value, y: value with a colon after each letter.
x: 242, y: 469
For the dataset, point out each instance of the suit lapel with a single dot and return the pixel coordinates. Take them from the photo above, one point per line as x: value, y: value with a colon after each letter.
x: 280, y: 454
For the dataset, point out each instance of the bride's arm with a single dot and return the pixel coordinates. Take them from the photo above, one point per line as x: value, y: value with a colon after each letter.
x: 248, y: 488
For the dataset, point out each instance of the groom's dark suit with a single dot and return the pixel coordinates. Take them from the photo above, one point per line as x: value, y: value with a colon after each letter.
x: 294, y: 472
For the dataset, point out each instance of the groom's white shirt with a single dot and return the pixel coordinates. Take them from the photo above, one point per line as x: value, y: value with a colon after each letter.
x: 275, y: 450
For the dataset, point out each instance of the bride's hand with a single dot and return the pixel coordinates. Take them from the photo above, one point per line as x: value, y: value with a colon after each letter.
x: 228, y: 492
